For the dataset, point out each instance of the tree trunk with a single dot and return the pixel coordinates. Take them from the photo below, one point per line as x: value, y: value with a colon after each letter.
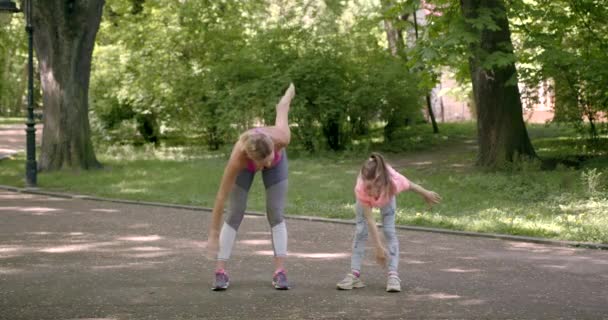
x: 429, y: 105
x: 64, y: 37
x: 394, y: 35
x: 501, y: 132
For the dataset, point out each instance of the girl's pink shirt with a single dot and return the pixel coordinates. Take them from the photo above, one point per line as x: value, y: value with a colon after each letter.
x: 400, y: 183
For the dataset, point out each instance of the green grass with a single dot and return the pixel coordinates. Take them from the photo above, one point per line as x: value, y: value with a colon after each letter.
x: 565, y: 203
x: 13, y: 120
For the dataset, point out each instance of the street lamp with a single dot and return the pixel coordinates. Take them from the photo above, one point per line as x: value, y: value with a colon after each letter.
x: 8, y: 7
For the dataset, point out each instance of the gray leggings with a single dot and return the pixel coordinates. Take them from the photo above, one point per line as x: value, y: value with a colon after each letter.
x: 275, y: 181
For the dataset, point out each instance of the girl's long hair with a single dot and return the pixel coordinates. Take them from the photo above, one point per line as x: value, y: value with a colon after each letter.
x: 375, y: 169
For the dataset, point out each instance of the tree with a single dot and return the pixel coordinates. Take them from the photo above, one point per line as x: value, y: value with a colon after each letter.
x: 565, y: 42
x: 64, y: 37
x: 396, y: 18
x: 502, y: 134
x: 13, y: 67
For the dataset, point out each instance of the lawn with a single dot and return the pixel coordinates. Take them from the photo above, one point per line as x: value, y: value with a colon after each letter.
x: 568, y: 203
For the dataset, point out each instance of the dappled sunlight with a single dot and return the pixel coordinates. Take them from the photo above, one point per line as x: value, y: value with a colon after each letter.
x: 264, y: 233
x: 148, y: 249
x: 458, y: 165
x: 588, y: 205
x: 52, y: 199
x: 164, y: 152
x: 458, y: 270
x: 10, y: 271
x: 468, y: 258
x: 141, y: 238
x: 8, y: 151
x: 297, y: 173
x: 9, y: 248
x: 149, y: 254
x: 431, y: 296
x: 131, y: 265
x: 348, y: 206
x: 15, y: 196
x: 37, y: 211
x: 421, y: 163
x: 416, y: 241
x: 525, y: 246
x: 191, y: 244
x: 415, y: 262
x: 76, y: 247
x: 539, y: 248
x: 442, y: 248
x: 324, y: 256
x: 133, y: 190
x: 256, y: 242
x: 105, y: 210
x: 471, y: 302
x: 550, y: 266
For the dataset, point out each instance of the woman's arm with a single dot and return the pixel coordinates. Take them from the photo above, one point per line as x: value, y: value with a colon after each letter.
x: 230, y: 172
x: 373, y: 230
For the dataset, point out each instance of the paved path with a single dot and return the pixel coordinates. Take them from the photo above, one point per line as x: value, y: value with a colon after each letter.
x: 12, y: 139
x: 84, y: 259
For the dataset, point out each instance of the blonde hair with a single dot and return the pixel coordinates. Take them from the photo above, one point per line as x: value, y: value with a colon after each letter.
x: 375, y: 170
x: 256, y: 144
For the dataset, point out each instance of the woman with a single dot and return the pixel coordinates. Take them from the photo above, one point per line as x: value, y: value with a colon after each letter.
x: 257, y: 149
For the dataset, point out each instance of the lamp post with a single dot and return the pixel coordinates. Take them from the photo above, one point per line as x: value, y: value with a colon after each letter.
x: 8, y: 7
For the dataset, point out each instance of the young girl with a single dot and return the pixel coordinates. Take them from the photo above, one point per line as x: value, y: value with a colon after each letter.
x: 257, y: 149
x: 377, y: 185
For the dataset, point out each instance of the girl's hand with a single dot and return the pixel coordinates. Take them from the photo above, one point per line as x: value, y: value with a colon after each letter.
x: 431, y: 198
x: 381, y: 256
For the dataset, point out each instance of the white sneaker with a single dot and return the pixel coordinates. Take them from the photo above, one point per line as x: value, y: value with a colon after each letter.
x: 393, y: 284
x: 350, y: 282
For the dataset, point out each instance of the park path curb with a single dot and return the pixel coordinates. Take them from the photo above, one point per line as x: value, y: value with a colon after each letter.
x: 559, y: 243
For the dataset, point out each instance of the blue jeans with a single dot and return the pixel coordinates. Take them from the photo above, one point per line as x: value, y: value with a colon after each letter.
x: 361, y: 235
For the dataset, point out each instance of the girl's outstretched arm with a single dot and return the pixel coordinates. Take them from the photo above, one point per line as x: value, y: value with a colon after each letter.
x: 429, y: 197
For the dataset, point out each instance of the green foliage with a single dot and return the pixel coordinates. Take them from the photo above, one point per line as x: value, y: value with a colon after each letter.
x: 565, y: 42
x: 211, y: 69
x: 13, y: 61
x: 592, y: 179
